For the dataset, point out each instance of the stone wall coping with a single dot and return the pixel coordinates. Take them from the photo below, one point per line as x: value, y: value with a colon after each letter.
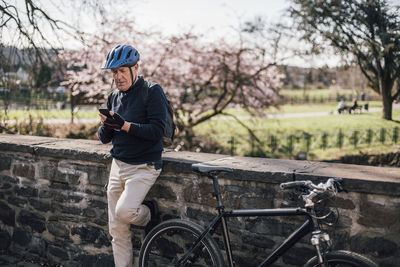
x: 358, y: 178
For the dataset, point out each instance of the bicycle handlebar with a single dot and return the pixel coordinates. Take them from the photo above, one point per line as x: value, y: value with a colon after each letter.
x: 295, y: 184
x: 330, y: 184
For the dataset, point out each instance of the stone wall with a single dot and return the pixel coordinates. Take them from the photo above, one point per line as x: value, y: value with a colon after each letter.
x: 53, y: 209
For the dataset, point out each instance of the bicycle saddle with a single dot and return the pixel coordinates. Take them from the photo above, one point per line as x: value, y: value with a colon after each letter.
x: 200, y: 167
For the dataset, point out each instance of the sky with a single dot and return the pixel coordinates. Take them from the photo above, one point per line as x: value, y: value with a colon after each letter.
x: 211, y: 18
x: 205, y: 15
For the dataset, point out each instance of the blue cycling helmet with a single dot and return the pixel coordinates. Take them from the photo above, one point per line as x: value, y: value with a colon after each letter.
x: 121, y: 56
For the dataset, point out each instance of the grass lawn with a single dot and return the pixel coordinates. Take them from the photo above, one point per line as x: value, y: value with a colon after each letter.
x: 267, y: 126
x: 222, y: 131
x: 48, y: 114
x: 222, y: 128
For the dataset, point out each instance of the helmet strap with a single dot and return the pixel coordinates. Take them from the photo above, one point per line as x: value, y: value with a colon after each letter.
x: 133, y: 80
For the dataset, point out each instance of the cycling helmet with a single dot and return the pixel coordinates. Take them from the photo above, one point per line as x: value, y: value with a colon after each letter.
x: 121, y: 56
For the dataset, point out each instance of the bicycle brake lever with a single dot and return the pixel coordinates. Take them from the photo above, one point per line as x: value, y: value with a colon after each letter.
x: 339, y: 187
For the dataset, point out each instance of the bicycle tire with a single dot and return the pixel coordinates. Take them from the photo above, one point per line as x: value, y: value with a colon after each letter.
x: 343, y: 258
x: 169, y: 241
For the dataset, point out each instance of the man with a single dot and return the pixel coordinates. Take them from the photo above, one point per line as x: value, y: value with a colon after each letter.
x: 136, y: 130
x: 342, y: 106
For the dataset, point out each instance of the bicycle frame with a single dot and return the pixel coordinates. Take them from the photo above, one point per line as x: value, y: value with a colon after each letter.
x: 293, y: 238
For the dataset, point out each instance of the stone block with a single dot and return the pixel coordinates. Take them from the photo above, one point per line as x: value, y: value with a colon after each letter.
x: 58, y: 252
x: 61, y: 186
x: 91, y: 213
x: 5, y: 162
x: 247, y: 260
x: 100, y: 222
x: 7, y: 179
x: 45, y: 193
x: 298, y: 256
x: 378, y: 215
x: 7, y: 214
x: 48, y: 169
x: 85, y: 259
x: 200, y: 192
x: 97, y: 174
x: 257, y: 240
x: 347, y: 204
x: 91, y: 235
x: 199, y: 215
x: 101, y: 192
x: 5, y: 240
x: 38, y: 245
x: 17, y: 201
x: 25, y: 191
x: 97, y: 204
x: 21, y: 237
x: 70, y: 210
x: 35, y: 221
x: 104, y: 260
x: 41, y: 205
x: 58, y: 229
x: 160, y: 190
x: 73, y: 198
x: 24, y: 169
x: 6, y: 186
x: 9, y: 260
x: 271, y: 226
x: 380, y: 247
x: 68, y: 218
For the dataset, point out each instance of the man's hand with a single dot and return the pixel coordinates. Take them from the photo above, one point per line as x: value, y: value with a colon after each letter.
x: 115, y: 123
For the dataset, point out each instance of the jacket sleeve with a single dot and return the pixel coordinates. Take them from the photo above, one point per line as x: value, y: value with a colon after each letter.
x: 156, y: 111
x: 106, y: 135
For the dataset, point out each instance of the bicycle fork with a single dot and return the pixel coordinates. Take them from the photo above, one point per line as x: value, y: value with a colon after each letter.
x: 318, y: 237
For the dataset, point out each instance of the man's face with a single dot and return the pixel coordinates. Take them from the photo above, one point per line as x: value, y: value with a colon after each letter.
x: 122, y: 77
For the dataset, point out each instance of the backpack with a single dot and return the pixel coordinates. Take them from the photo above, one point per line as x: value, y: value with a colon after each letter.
x: 169, y: 130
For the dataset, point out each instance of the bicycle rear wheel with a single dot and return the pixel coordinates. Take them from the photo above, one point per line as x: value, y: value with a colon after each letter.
x: 342, y: 258
x: 171, y: 239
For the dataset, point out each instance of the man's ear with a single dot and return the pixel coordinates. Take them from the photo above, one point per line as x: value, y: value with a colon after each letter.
x: 136, y: 66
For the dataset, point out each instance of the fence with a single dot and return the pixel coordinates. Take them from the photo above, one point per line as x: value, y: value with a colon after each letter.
x: 306, y: 99
x: 32, y: 100
x: 292, y: 144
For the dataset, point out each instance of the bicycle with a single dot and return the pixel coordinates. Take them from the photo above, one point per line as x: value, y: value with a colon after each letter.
x: 178, y: 242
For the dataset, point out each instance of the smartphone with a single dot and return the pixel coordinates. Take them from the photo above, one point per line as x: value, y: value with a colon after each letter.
x: 105, y: 112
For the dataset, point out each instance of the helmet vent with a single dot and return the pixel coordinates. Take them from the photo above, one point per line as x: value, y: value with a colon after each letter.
x: 129, y: 53
x: 119, y: 54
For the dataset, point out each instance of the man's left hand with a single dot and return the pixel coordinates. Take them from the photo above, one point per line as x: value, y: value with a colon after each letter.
x: 116, y: 122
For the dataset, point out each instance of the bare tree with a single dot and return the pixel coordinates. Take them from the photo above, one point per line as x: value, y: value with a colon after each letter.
x: 366, y: 32
x: 202, y: 79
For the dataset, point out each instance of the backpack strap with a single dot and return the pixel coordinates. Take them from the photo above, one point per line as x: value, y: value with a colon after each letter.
x: 146, y: 91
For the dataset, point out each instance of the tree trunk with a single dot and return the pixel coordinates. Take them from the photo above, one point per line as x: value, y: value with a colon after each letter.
x: 71, y: 97
x: 387, y: 100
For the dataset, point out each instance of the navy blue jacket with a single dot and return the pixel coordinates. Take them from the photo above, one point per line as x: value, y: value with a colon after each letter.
x: 143, y: 142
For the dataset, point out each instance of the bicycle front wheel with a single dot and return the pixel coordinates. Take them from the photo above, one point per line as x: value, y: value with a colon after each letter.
x: 342, y: 258
x: 166, y: 244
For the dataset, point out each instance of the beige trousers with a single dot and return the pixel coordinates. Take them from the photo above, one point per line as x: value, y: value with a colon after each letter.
x: 127, y: 187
